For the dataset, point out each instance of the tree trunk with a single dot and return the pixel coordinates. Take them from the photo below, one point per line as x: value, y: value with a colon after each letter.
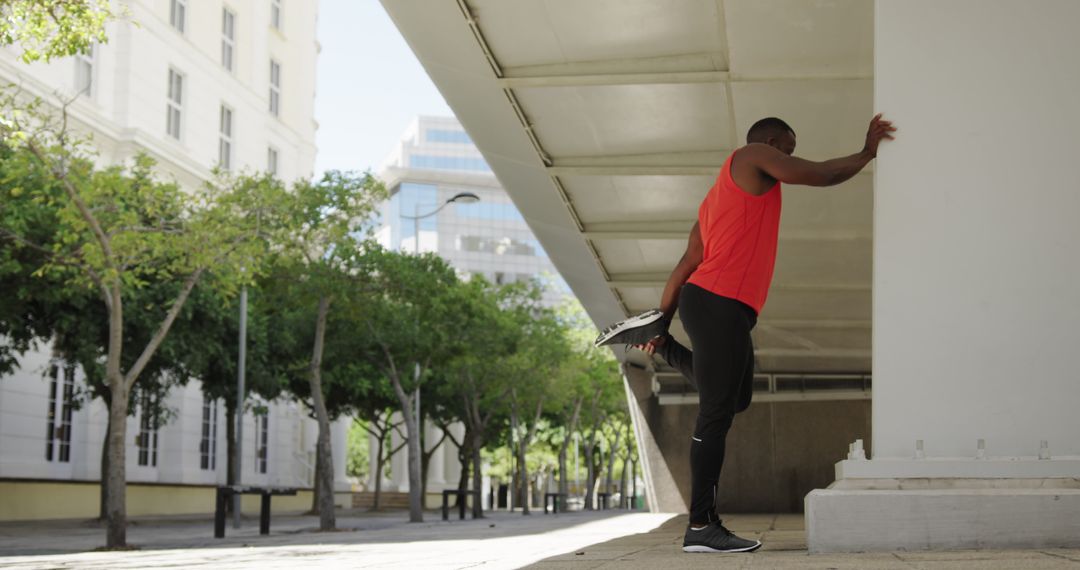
x: 609, y: 473
x: 589, y: 476
x: 116, y: 471
x: 324, y: 466
x: 564, y: 481
x: 316, y: 482
x: 464, y: 456
x: 477, y: 476
x: 412, y: 432
x: 380, y: 465
x: 564, y: 484
x: 524, y: 470
x: 622, y: 485
x: 104, y: 489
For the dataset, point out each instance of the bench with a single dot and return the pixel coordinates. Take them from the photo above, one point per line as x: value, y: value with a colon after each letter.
x: 224, y: 493
x: 461, y: 502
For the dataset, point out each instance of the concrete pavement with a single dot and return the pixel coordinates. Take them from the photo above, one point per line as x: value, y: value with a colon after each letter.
x: 785, y: 547
x: 572, y: 541
x: 385, y: 540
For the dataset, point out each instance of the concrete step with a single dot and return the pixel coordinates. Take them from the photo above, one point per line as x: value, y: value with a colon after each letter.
x: 387, y: 500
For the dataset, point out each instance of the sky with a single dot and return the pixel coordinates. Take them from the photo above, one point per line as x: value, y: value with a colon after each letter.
x: 369, y: 86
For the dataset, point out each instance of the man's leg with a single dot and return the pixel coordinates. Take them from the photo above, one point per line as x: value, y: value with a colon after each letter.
x: 746, y: 387
x: 719, y: 334
x: 678, y: 357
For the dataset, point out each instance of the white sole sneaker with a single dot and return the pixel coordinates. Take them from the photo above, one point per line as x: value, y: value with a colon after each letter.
x: 703, y: 548
x: 634, y: 330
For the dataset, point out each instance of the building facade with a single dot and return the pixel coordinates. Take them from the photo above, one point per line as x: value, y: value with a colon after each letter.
x: 434, y: 161
x: 195, y: 85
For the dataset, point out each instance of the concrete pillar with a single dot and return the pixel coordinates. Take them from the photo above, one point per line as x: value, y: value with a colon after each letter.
x: 976, y: 296
x: 339, y: 436
x: 663, y: 452
x: 399, y: 462
x: 452, y: 465
x: 437, y: 466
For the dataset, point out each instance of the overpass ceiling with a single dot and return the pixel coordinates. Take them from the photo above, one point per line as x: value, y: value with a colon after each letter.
x: 607, y: 121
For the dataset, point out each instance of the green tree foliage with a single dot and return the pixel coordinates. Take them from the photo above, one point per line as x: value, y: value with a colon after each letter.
x: 47, y: 29
x: 115, y: 231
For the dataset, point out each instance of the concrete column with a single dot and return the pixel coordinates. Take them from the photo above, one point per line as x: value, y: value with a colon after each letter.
x: 976, y: 294
x: 437, y: 466
x: 450, y: 458
x: 339, y: 437
x: 399, y: 462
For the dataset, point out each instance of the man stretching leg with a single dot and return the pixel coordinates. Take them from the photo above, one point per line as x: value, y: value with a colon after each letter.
x: 719, y: 287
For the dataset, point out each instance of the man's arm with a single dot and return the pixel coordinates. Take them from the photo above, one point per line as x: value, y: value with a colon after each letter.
x: 690, y: 260
x: 793, y: 170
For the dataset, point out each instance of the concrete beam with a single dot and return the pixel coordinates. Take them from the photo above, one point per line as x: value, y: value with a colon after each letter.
x: 692, y: 397
x: 622, y: 231
x: 647, y: 280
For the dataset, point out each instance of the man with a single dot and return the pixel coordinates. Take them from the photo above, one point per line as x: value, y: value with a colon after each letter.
x: 719, y: 287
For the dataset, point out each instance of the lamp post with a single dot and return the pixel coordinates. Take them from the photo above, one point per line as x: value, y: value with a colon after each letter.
x: 460, y: 198
x: 240, y: 376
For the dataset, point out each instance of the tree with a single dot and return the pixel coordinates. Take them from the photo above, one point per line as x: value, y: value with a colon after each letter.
x: 47, y: 29
x: 535, y: 361
x: 477, y: 378
x: 411, y: 316
x: 317, y: 267
x: 117, y: 230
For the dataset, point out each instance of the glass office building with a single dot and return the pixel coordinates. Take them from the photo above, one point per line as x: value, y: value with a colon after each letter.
x: 435, y: 160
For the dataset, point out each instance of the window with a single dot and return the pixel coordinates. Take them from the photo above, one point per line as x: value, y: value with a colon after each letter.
x: 494, y: 245
x: 448, y: 136
x: 275, y: 14
x: 147, y: 441
x: 410, y: 200
x: 58, y: 429
x: 271, y: 160
x: 262, y: 432
x: 225, y: 141
x: 488, y: 211
x: 208, y: 445
x: 84, y: 71
x: 448, y: 163
x: 275, y: 88
x: 178, y: 14
x: 175, y: 104
x: 228, y: 38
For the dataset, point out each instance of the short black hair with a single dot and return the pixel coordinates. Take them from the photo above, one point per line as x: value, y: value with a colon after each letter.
x: 767, y: 128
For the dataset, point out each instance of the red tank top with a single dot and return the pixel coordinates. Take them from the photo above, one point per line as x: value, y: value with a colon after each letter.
x: 739, y: 232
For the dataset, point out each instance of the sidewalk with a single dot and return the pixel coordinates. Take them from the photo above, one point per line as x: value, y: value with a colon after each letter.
x: 384, y: 540
x: 785, y: 547
x: 572, y: 541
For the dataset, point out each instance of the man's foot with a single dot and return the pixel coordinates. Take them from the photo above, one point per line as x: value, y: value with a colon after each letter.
x: 716, y: 538
x: 634, y: 330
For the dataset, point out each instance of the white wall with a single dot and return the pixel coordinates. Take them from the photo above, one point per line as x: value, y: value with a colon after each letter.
x: 977, y: 228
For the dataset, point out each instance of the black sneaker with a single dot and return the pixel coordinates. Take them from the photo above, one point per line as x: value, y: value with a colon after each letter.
x: 716, y: 538
x: 634, y: 330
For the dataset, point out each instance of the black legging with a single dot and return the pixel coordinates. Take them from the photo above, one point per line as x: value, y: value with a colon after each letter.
x: 722, y: 365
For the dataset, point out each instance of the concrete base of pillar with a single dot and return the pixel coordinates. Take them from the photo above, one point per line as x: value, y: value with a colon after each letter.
x: 857, y: 515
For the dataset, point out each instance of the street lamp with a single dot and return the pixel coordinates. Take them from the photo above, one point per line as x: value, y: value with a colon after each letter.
x: 460, y: 198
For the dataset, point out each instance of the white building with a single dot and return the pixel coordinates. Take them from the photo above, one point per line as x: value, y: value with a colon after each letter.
x: 193, y: 83
x: 434, y: 161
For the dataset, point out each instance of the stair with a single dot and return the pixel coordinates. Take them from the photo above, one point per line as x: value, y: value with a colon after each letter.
x: 387, y: 500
